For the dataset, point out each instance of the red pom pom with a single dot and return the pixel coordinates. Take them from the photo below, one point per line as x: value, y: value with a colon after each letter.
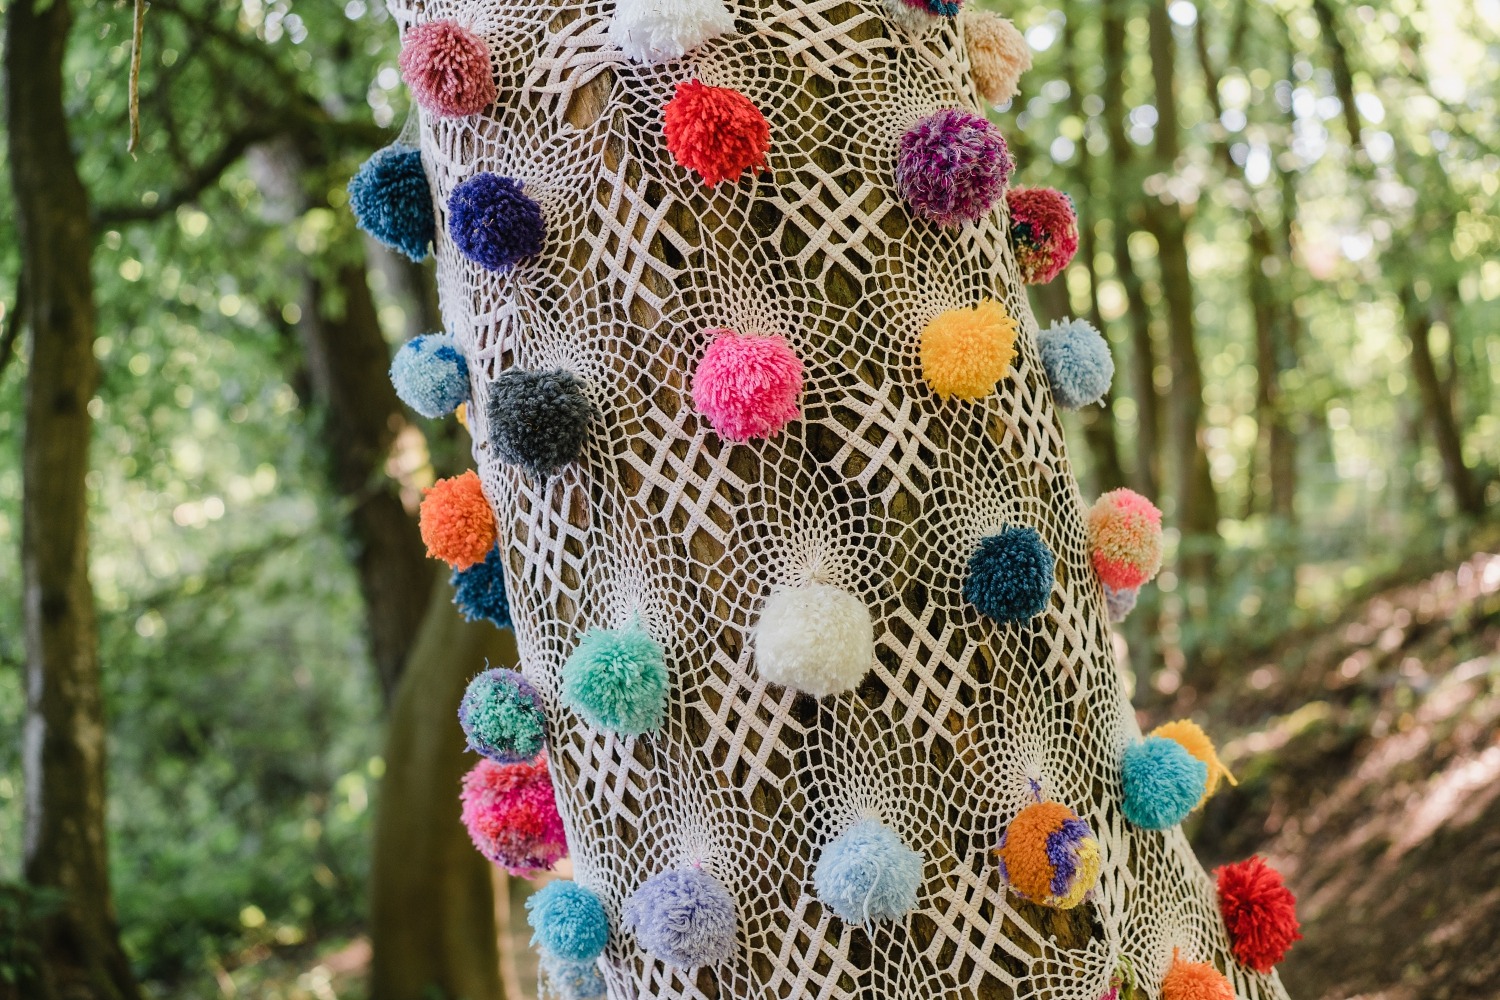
x: 1043, y: 232
x: 716, y: 131
x: 1259, y: 911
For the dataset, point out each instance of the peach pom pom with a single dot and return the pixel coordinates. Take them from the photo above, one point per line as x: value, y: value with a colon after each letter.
x: 1125, y: 538
x: 1196, y: 742
x: 747, y: 386
x: 998, y: 53
x: 966, y: 351
x: 448, y: 69
x: 1195, y: 981
x: 456, y: 521
x: 716, y: 131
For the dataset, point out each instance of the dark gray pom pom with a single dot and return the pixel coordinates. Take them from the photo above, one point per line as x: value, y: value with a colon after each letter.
x: 538, y: 420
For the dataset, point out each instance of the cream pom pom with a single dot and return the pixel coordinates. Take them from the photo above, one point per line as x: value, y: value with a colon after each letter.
x: 998, y: 54
x: 817, y: 639
x: 653, y: 31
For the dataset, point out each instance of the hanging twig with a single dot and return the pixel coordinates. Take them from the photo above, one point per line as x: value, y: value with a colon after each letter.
x: 135, y: 77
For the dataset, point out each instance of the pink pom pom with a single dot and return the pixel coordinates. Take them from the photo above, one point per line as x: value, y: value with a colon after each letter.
x: 1125, y: 539
x: 448, y: 69
x: 747, y: 386
x: 512, y: 817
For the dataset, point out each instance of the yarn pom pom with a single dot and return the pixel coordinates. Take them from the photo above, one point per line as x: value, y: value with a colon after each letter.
x: 1163, y: 783
x: 716, y: 131
x: 1125, y: 538
x: 1049, y: 856
x: 866, y: 873
x: 494, y: 223
x: 1260, y: 913
x: 1043, y: 232
x: 653, y: 31
x: 479, y: 591
x: 391, y: 201
x: 1010, y: 575
x: 448, y: 69
x: 1195, y: 981
x: 966, y: 351
x: 430, y: 375
x: 913, y: 18
x: 567, y: 920
x: 501, y: 714
x: 747, y: 386
x: 817, y: 639
x: 538, y: 420
x: 1077, y: 361
x: 952, y: 167
x: 685, y: 918
x: 456, y: 521
x: 512, y: 816
x: 1119, y: 603
x: 1196, y: 742
x: 616, y: 679
x: 998, y: 54
x: 571, y: 980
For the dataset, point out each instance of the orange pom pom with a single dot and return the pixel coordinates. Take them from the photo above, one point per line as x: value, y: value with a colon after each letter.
x: 457, y: 523
x: 1195, y: 981
x: 1196, y: 742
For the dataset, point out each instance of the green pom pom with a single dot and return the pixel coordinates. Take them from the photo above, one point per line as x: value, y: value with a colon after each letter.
x: 617, y: 680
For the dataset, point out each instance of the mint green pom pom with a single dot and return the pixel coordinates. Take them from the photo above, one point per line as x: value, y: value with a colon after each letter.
x: 617, y: 680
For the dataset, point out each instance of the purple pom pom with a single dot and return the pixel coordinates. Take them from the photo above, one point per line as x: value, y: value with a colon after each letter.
x: 493, y: 223
x: 685, y: 918
x: 953, y: 167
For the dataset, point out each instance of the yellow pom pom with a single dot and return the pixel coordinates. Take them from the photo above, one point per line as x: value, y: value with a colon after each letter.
x: 966, y: 351
x: 1196, y: 742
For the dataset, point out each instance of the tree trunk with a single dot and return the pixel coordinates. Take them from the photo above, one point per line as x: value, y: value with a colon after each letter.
x: 1437, y: 405
x: 63, y: 753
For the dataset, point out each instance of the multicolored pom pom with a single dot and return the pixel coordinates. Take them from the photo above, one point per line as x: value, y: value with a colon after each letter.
x: 1010, y: 575
x: 1195, y: 981
x: 1043, y: 232
x: 716, y: 131
x: 747, y: 386
x: 952, y: 167
x: 1195, y: 741
x: 391, y: 201
x: 456, y: 522
x: 1119, y: 603
x: 964, y: 352
x: 685, y: 918
x: 568, y: 920
x: 501, y: 715
x: 616, y: 679
x: 430, y: 375
x: 933, y: 9
x: 512, y: 817
x: 1124, y: 531
x: 479, y: 591
x: 571, y: 980
x: 448, y: 69
x: 538, y: 420
x: 1049, y: 855
x: 1259, y: 911
x: 998, y: 54
x: 1163, y: 783
x: 494, y: 223
x: 1077, y: 361
x: 654, y: 31
x: 867, y: 873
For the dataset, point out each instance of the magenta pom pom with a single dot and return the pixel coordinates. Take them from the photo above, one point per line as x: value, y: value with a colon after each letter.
x: 512, y: 817
x: 1043, y: 232
x: 448, y: 69
x: 952, y: 167
x: 747, y: 386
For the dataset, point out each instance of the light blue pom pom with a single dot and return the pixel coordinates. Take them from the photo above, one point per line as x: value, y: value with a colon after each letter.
x: 866, y: 873
x: 568, y: 921
x: 572, y: 980
x: 430, y: 375
x: 1163, y: 782
x: 685, y: 918
x: 617, y: 680
x: 392, y: 202
x: 1077, y: 362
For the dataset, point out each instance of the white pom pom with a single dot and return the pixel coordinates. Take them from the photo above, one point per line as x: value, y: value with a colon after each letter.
x: 818, y: 639
x: 654, y: 31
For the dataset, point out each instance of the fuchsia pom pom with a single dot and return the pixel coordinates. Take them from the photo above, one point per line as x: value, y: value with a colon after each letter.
x: 1043, y: 232
x: 952, y: 167
x: 448, y: 69
x: 747, y: 386
x: 1125, y: 539
x: 1260, y: 912
x: 512, y: 817
x: 716, y: 131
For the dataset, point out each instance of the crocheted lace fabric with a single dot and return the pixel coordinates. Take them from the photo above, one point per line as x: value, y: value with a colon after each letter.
x: 879, y: 488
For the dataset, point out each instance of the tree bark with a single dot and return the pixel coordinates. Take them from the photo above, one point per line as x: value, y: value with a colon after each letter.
x: 64, y: 743
x: 1438, y: 405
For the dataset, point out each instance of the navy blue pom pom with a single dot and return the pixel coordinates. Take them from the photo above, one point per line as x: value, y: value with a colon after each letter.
x: 538, y: 420
x: 1010, y: 575
x: 391, y: 201
x: 493, y: 223
x: 479, y: 591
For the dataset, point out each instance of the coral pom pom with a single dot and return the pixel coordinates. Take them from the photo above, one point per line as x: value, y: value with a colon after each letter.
x: 479, y: 591
x: 1124, y: 538
x: 747, y: 386
x: 653, y: 31
x: 391, y: 201
x: 1163, y: 783
x: 430, y: 375
x: 1077, y: 361
x: 568, y: 920
x: 716, y: 131
x: 1119, y: 603
x: 1010, y: 575
x: 685, y: 918
x: 512, y: 816
x: 952, y: 167
x: 1043, y: 232
x: 448, y: 69
x: 571, y: 980
x: 1260, y: 912
x: 1050, y: 856
x: 493, y: 223
x: 616, y: 679
x: 456, y: 521
x: 538, y: 420
x: 966, y: 351
x: 1195, y: 981
x: 817, y: 639
x: 1196, y: 742
x: 501, y: 714
x: 866, y: 873
x: 998, y: 54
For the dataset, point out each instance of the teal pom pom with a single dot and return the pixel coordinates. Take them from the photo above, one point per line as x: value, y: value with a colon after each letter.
x: 392, y: 202
x: 501, y: 714
x: 1077, y: 362
x: 617, y: 680
x: 430, y: 375
x: 1010, y: 575
x: 866, y: 873
x: 1163, y: 782
x: 479, y: 591
x: 572, y: 980
x: 568, y: 921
